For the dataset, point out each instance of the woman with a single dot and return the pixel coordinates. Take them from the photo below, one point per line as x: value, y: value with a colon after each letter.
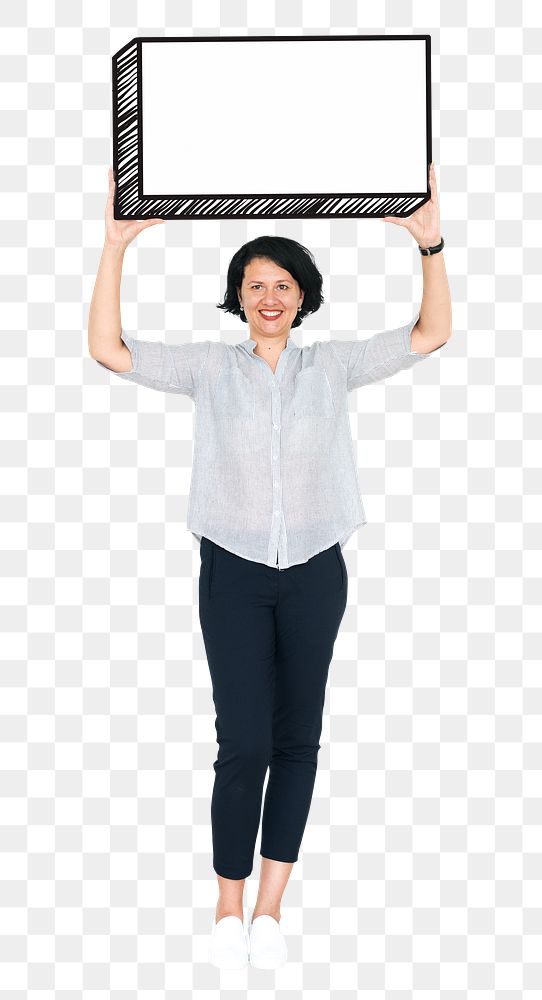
x: 273, y: 499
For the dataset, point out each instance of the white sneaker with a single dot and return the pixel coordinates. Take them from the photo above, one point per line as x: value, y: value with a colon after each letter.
x: 228, y: 944
x: 267, y: 947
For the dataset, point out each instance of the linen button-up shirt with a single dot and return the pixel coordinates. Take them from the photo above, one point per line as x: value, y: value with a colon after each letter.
x: 274, y: 475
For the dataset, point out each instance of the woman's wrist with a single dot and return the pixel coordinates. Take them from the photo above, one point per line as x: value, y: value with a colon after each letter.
x: 113, y: 249
x: 430, y: 242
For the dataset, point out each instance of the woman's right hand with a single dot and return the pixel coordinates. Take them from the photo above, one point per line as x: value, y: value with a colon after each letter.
x: 120, y: 232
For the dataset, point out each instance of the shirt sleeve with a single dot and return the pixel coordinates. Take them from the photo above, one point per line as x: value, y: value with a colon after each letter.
x: 379, y: 356
x: 165, y: 367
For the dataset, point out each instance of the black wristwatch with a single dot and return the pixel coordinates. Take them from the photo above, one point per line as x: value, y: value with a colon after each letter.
x: 427, y: 251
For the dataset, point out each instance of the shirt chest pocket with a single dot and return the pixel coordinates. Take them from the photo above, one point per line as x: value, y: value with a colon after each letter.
x: 234, y: 395
x: 312, y: 394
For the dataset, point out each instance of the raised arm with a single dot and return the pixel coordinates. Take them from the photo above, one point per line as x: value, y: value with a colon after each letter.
x: 104, y: 320
x: 434, y: 326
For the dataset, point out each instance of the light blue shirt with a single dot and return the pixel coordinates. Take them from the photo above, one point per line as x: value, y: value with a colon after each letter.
x: 274, y: 475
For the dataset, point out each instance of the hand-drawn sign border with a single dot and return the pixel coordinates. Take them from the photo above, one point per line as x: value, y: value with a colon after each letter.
x: 130, y: 203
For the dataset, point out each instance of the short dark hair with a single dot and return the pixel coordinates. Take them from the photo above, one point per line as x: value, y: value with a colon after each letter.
x: 292, y: 256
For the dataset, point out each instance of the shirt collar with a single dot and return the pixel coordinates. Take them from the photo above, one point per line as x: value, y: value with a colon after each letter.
x: 250, y: 344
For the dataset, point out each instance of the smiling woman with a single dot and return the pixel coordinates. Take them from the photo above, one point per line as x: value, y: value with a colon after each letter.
x: 272, y: 284
x: 274, y: 497
x: 277, y: 274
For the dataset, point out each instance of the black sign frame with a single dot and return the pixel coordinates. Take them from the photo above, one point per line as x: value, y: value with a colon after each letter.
x: 130, y: 203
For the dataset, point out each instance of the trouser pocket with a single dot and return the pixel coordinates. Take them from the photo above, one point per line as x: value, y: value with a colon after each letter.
x: 339, y: 555
x: 211, y: 568
x: 207, y: 563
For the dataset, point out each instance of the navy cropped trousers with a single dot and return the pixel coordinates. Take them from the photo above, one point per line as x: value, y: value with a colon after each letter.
x: 269, y: 636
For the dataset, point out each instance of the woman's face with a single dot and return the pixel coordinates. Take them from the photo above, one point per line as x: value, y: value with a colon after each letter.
x: 267, y: 287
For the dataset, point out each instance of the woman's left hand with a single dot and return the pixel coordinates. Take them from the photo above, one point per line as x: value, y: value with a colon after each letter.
x: 424, y: 224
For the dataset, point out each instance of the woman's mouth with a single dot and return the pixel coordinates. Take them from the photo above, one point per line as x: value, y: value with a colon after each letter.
x: 270, y: 314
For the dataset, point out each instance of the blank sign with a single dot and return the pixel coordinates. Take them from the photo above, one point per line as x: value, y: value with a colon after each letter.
x: 273, y: 127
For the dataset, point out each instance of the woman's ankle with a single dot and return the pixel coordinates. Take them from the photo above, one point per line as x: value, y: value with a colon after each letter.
x: 228, y: 911
x: 271, y: 911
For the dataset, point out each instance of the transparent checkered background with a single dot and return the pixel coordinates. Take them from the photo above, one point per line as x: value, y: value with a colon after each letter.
x: 420, y: 872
